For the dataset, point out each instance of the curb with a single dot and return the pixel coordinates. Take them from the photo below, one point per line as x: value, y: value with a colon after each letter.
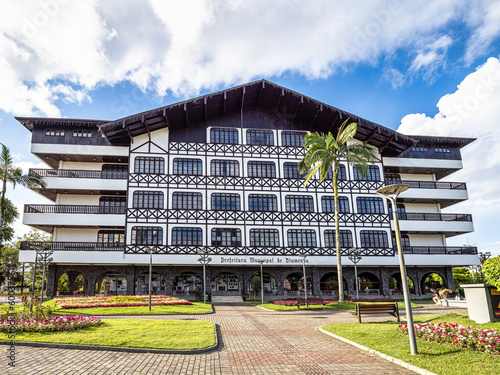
x: 139, y: 315
x: 217, y: 335
x: 389, y: 358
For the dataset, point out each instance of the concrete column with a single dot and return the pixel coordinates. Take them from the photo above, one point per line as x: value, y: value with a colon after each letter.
x: 449, y: 279
x: 315, y: 277
x: 51, y: 280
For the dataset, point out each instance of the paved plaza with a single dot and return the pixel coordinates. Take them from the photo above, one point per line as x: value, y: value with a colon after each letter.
x: 254, y: 341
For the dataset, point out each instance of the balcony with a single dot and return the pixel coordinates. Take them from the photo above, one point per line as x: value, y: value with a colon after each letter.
x: 439, y: 250
x: 445, y: 193
x: 50, y: 215
x: 448, y: 224
x: 72, y: 246
x: 439, y: 167
x: 79, y: 181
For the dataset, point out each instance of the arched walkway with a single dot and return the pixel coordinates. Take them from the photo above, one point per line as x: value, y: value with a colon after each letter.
x: 294, y: 283
x: 396, y: 286
x: 432, y: 280
x: 369, y: 284
x: 270, y: 284
x: 71, y: 283
x: 225, y: 282
x: 329, y: 284
x: 142, y: 283
x: 111, y: 282
x: 186, y: 283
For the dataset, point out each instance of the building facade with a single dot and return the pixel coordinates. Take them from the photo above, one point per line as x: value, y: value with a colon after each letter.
x: 218, y: 174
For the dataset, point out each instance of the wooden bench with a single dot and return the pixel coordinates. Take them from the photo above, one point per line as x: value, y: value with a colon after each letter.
x: 376, y: 308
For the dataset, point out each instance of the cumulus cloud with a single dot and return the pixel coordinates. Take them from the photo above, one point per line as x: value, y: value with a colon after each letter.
x: 54, y: 51
x: 431, y: 57
x: 472, y: 110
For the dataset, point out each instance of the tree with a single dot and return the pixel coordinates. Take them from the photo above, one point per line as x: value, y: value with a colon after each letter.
x: 9, y: 173
x: 461, y: 275
x: 491, y: 271
x: 9, y: 216
x: 256, y: 284
x: 324, y: 152
x: 34, y: 236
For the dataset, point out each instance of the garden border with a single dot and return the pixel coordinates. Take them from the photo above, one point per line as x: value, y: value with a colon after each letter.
x: 216, y: 346
x: 389, y: 358
x: 135, y: 315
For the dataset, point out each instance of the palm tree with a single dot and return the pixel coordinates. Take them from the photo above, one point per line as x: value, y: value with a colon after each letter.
x: 9, y: 173
x: 324, y: 152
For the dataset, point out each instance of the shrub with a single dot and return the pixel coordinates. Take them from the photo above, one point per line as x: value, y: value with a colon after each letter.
x: 491, y: 271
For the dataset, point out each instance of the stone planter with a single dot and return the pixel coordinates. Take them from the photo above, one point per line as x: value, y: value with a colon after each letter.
x: 483, y: 302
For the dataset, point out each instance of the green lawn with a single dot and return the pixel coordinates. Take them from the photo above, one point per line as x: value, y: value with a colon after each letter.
x: 334, y: 306
x: 443, y: 359
x: 195, y: 308
x: 134, y: 333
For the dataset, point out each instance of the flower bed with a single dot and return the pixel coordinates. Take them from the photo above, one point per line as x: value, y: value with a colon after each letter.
x: 104, y: 301
x: 317, y: 301
x: 482, y: 340
x: 51, y: 324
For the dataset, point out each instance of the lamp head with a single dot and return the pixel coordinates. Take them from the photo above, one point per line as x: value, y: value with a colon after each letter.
x: 392, y: 190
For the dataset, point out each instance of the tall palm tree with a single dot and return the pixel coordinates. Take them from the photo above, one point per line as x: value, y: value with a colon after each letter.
x: 324, y: 152
x: 9, y: 173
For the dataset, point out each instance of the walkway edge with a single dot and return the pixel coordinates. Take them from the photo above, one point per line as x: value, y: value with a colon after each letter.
x: 217, y: 334
x: 389, y: 358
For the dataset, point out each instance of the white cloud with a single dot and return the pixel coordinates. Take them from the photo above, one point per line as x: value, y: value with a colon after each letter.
x: 59, y: 50
x: 472, y: 110
x: 432, y: 56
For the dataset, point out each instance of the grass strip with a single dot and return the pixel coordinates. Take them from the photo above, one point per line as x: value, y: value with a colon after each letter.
x: 443, y: 359
x: 332, y: 306
x: 195, y: 308
x: 133, y: 333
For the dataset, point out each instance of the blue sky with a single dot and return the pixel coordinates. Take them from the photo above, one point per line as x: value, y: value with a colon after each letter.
x: 423, y: 67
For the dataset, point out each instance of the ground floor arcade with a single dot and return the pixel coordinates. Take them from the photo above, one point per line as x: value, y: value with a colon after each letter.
x: 234, y: 280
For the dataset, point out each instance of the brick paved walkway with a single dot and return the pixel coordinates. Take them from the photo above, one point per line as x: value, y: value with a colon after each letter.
x: 254, y: 342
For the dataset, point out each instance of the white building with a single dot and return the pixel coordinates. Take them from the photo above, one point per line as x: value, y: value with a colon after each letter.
x: 218, y: 174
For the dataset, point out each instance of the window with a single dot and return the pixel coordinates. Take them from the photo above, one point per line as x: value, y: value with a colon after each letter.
x: 187, y: 236
x: 393, y: 178
x: 328, y: 204
x: 261, y: 169
x: 290, y: 171
x: 301, y: 238
x: 112, y: 205
x: 146, y: 164
x: 114, y: 170
x: 419, y: 148
x: 405, y: 240
x: 342, y: 173
x: 147, y: 199
x: 260, y: 137
x: 401, y: 210
x: 54, y: 132
x: 192, y: 167
x: 82, y: 133
x: 442, y: 149
x: 374, y: 238
x: 147, y: 235
x: 187, y: 201
x: 292, y: 138
x: 224, y: 135
x: 370, y: 205
x: 345, y: 238
x: 226, y: 237
x: 264, y: 237
x: 299, y: 203
x: 225, y: 202
x: 373, y: 174
x: 262, y: 202
x: 225, y: 168
x: 110, y: 237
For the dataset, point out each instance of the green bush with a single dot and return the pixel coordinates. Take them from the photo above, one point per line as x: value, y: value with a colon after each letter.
x: 491, y: 271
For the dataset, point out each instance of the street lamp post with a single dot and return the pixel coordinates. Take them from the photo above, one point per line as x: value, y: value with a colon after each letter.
x: 45, y: 258
x: 355, y: 257
x: 150, y: 250
x: 304, y: 256
x: 391, y: 193
x: 204, y: 259
x: 261, y: 280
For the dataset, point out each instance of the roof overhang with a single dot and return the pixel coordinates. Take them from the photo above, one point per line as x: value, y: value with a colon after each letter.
x: 31, y: 122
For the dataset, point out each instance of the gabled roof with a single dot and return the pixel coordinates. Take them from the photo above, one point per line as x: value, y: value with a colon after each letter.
x: 446, y: 141
x: 317, y: 115
x: 30, y: 122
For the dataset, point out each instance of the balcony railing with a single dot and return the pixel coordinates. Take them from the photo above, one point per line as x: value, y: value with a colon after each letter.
x: 430, y: 184
x: 75, y: 173
x: 466, y: 250
x: 241, y: 250
x: 432, y: 216
x: 72, y: 246
x: 72, y: 209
